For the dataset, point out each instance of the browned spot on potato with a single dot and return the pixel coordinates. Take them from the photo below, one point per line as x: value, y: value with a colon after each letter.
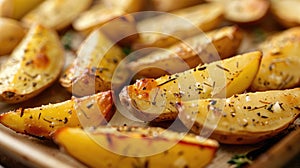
x: 35, y: 130
x: 41, y: 60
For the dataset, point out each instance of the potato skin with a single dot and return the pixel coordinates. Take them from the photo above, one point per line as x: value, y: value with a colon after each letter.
x: 44, y: 120
x: 33, y: 66
x: 12, y: 33
x: 123, y: 147
x: 246, y: 118
x: 190, y: 53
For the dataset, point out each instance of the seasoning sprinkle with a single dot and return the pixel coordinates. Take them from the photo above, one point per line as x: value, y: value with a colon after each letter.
x: 170, y: 80
x: 219, y: 66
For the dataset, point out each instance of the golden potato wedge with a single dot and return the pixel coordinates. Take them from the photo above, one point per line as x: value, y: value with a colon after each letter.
x: 280, y: 62
x: 246, y: 11
x: 123, y: 147
x: 154, y: 99
x: 242, y: 119
x: 56, y: 14
x: 42, y: 121
x: 33, y: 66
x: 128, y: 6
x: 92, y: 70
x: 11, y: 34
x: 16, y: 9
x: 114, y: 22
x: 95, y: 17
x: 169, y: 5
x: 286, y: 12
x: 204, y: 48
x: 164, y: 28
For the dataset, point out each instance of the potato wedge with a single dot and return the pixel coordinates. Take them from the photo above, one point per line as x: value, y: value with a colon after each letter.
x: 42, y: 121
x: 16, y: 9
x: 123, y: 147
x: 286, y: 12
x: 154, y: 99
x: 204, y: 16
x: 95, y: 17
x: 56, y: 14
x: 244, y: 12
x: 92, y: 70
x: 114, y: 22
x: 12, y: 33
x: 280, y: 62
x: 191, y: 52
x: 33, y: 66
x: 243, y: 119
x: 169, y: 5
x: 129, y: 6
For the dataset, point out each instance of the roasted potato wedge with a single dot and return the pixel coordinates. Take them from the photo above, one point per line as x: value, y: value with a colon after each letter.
x: 244, y: 12
x: 92, y: 70
x: 242, y: 119
x: 42, y: 121
x: 205, y: 17
x: 123, y: 147
x: 16, y: 9
x: 204, y: 48
x: 12, y: 33
x: 280, y: 62
x: 286, y: 12
x: 33, y: 66
x: 56, y: 14
x: 128, y: 6
x: 95, y: 17
x: 114, y: 22
x: 154, y: 99
x: 169, y: 5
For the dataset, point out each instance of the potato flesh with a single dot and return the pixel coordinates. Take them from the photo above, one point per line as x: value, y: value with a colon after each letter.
x: 280, y: 62
x: 190, y: 53
x: 243, y: 118
x: 56, y: 14
x: 42, y: 121
x: 33, y: 66
x: 204, y: 17
x: 194, y: 152
x: 150, y: 99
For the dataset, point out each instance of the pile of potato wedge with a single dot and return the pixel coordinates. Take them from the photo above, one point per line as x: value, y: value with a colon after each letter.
x: 230, y: 76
